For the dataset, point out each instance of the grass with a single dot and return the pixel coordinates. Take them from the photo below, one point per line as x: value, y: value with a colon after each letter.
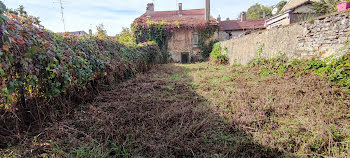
x: 205, y: 110
x: 302, y: 115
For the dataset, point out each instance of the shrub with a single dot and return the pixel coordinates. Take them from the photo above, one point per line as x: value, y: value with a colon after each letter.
x: 217, y: 54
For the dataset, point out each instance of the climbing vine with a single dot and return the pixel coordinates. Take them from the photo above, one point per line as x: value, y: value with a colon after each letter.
x: 204, y: 36
x: 157, y: 32
x: 161, y: 32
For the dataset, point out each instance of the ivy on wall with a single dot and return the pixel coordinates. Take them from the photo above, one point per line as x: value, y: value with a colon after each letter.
x: 204, y: 36
x: 161, y: 32
x: 156, y: 32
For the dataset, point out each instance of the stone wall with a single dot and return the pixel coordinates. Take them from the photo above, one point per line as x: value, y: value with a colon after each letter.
x: 323, y: 36
x: 181, y: 42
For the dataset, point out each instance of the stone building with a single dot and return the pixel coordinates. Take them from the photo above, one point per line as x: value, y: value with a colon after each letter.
x: 183, y: 45
x: 294, y: 11
x: 230, y: 29
x: 76, y: 33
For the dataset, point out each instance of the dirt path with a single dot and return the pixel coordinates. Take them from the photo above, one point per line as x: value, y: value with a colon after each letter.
x: 201, y: 110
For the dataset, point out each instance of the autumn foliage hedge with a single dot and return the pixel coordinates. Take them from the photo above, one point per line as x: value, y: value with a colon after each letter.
x: 37, y: 63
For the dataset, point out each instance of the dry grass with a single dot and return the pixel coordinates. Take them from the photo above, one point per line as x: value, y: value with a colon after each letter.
x: 203, y: 110
x: 304, y: 116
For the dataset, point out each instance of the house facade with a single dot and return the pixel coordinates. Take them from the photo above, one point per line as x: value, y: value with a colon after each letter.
x: 294, y: 11
x: 185, y: 26
x: 230, y: 29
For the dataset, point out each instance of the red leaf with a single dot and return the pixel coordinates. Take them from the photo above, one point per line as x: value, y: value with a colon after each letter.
x: 20, y: 41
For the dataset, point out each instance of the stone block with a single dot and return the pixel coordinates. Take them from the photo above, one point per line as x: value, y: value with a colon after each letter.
x: 343, y: 39
x: 345, y: 22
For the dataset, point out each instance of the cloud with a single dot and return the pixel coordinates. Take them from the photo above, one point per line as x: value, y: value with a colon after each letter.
x: 115, y: 14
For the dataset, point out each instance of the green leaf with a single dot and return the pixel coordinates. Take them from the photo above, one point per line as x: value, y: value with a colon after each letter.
x: 11, y: 87
x: 55, y: 91
x: 2, y: 72
x: 58, y: 84
x: 3, y: 17
x: 5, y: 91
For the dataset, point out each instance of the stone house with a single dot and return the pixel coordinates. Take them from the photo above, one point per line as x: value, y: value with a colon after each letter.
x: 230, y: 29
x: 75, y: 33
x: 183, y: 45
x: 294, y: 11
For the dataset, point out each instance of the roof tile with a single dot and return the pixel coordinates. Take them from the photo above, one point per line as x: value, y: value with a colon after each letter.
x: 239, y: 25
x: 194, y: 17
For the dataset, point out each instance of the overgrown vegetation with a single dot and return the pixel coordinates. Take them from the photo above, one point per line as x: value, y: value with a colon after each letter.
x: 334, y: 69
x: 273, y: 108
x: 205, y: 46
x: 302, y: 115
x: 206, y: 110
x: 126, y: 37
x: 219, y: 55
x: 161, y: 32
x: 326, y: 6
x: 43, y: 74
x: 157, y: 32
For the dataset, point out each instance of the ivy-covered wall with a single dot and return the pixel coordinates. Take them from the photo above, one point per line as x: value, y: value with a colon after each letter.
x: 182, y: 41
x: 175, y: 39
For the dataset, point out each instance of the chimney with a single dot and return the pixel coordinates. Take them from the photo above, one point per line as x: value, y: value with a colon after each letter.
x: 180, y: 9
x: 207, y: 10
x: 243, y: 16
x: 90, y: 32
x: 149, y: 9
x: 219, y: 18
x: 264, y: 16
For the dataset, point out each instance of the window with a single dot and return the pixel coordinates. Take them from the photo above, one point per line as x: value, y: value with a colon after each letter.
x: 195, y: 39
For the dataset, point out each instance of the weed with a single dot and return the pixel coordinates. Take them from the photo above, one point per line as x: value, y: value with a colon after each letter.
x: 218, y: 54
x: 336, y: 70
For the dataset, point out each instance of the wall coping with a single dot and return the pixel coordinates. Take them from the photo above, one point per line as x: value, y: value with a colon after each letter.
x: 299, y: 23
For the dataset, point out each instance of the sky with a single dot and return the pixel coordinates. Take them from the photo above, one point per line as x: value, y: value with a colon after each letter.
x: 82, y: 15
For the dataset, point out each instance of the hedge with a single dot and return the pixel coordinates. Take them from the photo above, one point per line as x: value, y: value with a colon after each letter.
x: 37, y: 63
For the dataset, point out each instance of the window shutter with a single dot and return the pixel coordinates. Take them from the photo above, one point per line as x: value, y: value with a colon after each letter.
x: 195, y: 40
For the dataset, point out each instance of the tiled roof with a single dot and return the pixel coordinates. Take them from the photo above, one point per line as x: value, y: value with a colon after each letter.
x: 75, y: 33
x: 189, y: 18
x: 245, y: 25
x: 295, y: 3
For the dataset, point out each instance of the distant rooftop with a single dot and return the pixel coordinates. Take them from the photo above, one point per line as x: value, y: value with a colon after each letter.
x: 78, y: 33
x: 188, y: 18
x: 250, y: 24
x: 291, y: 4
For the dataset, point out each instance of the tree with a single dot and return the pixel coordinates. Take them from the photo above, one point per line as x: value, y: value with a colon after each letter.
x: 325, y: 6
x: 101, y: 32
x: 280, y: 5
x: 21, y: 10
x: 126, y: 37
x: 258, y: 11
